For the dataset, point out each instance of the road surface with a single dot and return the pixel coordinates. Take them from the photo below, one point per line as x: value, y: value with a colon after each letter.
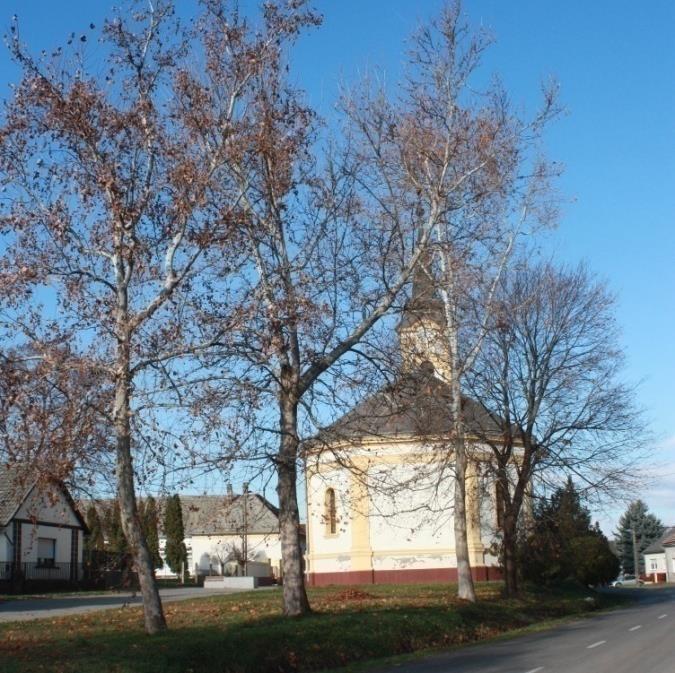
x: 62, y: 606
x: 636, y: 639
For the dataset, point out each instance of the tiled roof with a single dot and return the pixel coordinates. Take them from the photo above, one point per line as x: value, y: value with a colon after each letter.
x: 217, y: 514
x: 666, y: 540
x: 418, y: 404
x: 223, y: 515
x: 15, y: 484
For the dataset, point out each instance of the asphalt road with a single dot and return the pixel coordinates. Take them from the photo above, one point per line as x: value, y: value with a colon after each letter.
x: 61, y: 606
x: 637, y: 639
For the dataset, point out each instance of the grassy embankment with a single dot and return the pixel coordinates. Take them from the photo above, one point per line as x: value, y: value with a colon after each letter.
x: 245, y: 633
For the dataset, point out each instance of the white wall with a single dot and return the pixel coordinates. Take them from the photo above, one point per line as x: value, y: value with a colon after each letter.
x: 207, y: 551
x: 411, y: 525
x: 29, y: 537
x: 46, y: 507
x: 670, y: 563
x: 409, y: 513
x: 337, y: 545
x: 5, y: 545
x: 655, y: 563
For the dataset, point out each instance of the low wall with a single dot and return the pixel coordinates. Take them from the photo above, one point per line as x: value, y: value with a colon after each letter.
x: 402, y: 576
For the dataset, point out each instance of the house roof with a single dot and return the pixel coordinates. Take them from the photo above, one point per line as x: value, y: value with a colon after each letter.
x: 218, y: 514
x: 223, y: 515
x: 16, y: 483
x: 416, y: 404
x: 666, y: 540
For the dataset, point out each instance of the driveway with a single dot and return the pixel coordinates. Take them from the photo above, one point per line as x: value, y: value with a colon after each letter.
x: 61, y: 606
x: 637, y: 639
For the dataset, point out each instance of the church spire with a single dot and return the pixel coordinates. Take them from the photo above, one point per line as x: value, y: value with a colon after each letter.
x: 420, y: 331
x: 424, y: 304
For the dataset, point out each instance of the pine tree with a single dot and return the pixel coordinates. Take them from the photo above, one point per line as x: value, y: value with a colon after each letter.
x: 175, y: 551
x: 114, y: 533
x: 150, y: 523
x: 95, y: 540
x: 563, y: 543
x: 648, y: 529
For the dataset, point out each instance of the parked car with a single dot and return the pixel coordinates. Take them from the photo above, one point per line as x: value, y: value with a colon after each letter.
x: 627, y: 581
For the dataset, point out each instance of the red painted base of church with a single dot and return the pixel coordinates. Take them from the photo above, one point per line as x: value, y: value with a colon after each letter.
x: 403, y: 576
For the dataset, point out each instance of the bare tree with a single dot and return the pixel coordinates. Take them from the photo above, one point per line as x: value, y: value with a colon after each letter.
x: 111, y: 203
x: 550, y: 373
x: 504, y: 194
x: 335, y: 230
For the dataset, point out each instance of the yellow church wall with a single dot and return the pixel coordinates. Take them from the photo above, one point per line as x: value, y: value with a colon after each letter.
x: 404, y: 528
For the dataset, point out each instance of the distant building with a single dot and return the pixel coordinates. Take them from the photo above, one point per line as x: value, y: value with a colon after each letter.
x: 221, y: 532
x: 660, y: 557
x: 41, y: 530
x: 218, y: 530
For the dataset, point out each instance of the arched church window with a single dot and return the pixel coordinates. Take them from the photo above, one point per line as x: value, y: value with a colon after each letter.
x: 330, y: 513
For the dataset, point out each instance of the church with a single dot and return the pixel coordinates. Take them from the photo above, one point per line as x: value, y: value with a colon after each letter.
x: 380, y: 480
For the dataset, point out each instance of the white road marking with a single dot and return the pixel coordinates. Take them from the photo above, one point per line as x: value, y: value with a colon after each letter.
x: 535, y: 670
x: 600, y: 642
x: 635, y: 628
x: 663, y: 616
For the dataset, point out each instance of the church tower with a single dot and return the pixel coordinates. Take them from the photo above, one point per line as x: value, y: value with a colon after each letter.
x: 421, y: 330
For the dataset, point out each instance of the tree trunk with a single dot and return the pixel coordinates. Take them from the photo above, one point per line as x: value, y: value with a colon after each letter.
x: 295, y: 600
x: 465, y: 588
x: 131, y: 525
x: 509, y: 553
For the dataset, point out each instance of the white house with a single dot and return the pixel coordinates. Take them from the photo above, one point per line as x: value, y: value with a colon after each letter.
x: 660, y: 557
x: 41, y: 530
x: 222, y: 528
x: 380, y: 482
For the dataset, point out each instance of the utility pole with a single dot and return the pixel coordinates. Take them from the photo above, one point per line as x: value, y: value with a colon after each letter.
x: 245, y: 539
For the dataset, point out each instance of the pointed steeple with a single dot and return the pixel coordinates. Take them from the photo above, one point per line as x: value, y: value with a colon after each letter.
x: 421, y: 328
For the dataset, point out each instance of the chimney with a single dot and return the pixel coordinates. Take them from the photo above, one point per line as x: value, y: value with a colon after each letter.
x: 230, y: 492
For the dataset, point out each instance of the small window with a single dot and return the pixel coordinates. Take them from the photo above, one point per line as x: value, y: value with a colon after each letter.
x: 46, y: 552
x: 330, y: 514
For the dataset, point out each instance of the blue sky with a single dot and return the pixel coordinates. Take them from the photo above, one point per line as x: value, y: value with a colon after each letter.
x: 614, y: 62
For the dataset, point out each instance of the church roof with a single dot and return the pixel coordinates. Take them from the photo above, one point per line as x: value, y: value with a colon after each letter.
x: 416, y: 404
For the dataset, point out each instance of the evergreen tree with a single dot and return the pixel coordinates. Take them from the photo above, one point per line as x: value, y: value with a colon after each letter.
x: 150, y: 523
x: 563, y: 544
x: 95, y: 540
x: 648, y: 529
x: 114, y: 533
x: 175, y: 551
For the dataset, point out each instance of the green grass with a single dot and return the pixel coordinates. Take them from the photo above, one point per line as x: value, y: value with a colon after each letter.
x: 246, y: 633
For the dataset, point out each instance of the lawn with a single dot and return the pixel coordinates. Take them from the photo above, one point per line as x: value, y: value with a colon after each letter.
x: 245, y: 633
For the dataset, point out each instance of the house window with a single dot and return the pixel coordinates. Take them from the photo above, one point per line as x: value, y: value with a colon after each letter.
x: 330, y: 514
x: 46, y: 552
